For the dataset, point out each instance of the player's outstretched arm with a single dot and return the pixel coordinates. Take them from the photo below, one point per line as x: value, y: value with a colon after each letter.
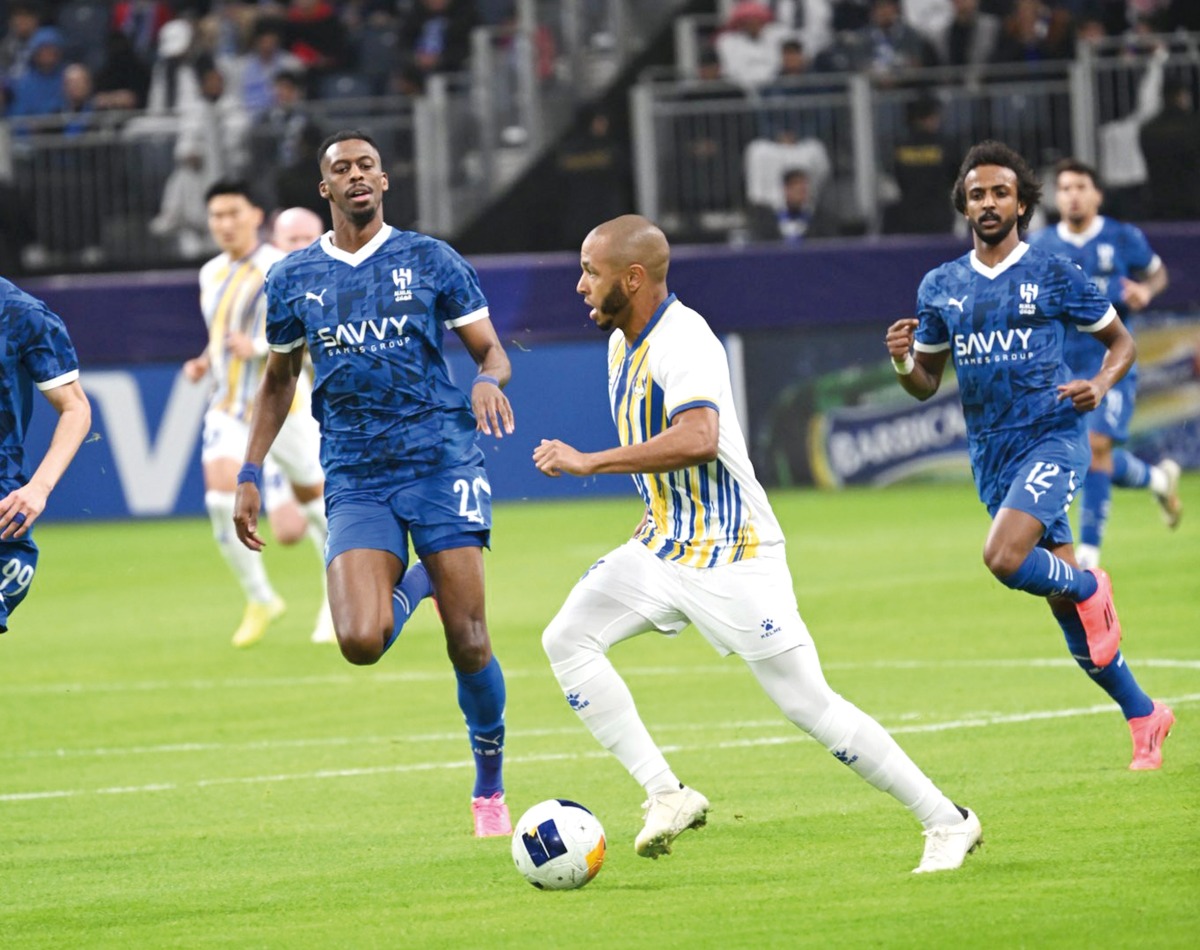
x: 920, y: 374
x: 493, y: 412
x: 21, y: 508
x: 1086, y: 394
x: 271, y: 405
x: 691, y: 439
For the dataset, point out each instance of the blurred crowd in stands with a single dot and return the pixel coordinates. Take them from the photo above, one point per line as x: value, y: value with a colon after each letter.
x: 758, y: 53
x: 237, y: 85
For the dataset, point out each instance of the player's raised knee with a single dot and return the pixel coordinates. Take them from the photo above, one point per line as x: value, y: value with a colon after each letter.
x: 1003, y: 559
x: 362, y: 646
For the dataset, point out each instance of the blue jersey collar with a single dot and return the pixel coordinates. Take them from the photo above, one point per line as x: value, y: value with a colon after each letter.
x: 653, y: 322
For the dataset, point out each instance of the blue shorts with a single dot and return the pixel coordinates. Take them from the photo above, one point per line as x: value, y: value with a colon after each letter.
x: 18, y: 563
x: 1112, y: 417
x: 450, y: 509
x: 1043, y: 484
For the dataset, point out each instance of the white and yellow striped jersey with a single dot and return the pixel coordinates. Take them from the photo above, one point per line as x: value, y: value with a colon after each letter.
x: 706, y: 515
x: 233, y: 298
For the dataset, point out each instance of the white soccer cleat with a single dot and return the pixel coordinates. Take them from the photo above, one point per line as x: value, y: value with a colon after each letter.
x: 323, y: 632
x: 667, y: 817
x: 1169, y: 501
x: 947, y: 846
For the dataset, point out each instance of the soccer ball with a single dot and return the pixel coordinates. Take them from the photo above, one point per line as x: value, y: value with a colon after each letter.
x: 558, y: 845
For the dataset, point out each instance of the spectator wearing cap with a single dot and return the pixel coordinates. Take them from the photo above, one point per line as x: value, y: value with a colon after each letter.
x: 39, y: 89
x: 749, y: 45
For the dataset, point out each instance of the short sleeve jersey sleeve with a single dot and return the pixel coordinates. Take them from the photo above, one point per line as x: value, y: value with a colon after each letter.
x: 285, y: 330
x: 932, y: 334
x: 1084, y: 304
x: 1139, y: 256
x: 461, y: 300
x: 44, y: 348
x: 691, y: 365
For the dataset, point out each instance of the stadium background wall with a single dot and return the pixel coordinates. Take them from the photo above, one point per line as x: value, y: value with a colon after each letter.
x: 803, y: 328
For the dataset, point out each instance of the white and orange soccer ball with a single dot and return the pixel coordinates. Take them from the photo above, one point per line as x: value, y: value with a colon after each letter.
x: 558, y: 845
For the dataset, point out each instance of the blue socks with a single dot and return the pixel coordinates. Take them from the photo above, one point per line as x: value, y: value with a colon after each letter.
x: 481, y: 698
x: 1129, y: 471
x: 1045, y: 575
x: 1115, y: 679
x: 1093, y: 514
x: 414, y: 587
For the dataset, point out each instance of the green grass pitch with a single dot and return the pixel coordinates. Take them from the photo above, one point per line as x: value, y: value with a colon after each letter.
x: 160, y: 789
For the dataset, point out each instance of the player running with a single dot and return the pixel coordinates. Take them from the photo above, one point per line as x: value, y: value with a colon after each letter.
x: 234, y: 305
x: 1001, y: 312
x: 398, y: 439
x: 708, y: 551
x: 36, y: 351
x: 1119, y: 260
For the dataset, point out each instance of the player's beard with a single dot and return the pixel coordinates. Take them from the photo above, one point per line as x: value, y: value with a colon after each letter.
x: 992, y: 238
x: 613, y: 303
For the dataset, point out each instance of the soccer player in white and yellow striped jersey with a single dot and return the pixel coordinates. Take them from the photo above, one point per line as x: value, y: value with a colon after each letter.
x: 708, y: 551
x: 233, y: 301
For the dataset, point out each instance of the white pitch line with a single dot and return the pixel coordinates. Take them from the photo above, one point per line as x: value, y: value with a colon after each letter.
x: 414, y: 676
x: 974, y: 723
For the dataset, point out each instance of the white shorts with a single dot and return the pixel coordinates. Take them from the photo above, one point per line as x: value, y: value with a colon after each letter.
x: 296, y: 450
x: 747, y: 608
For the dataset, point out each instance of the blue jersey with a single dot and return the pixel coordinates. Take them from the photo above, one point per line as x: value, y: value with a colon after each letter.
x: 34, y: 351
x: 373, y: 322
x: 1107, y: 251
x: 1004, y: 328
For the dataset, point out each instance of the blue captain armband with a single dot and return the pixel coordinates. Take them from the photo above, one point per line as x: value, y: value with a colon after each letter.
x: 251, y: 473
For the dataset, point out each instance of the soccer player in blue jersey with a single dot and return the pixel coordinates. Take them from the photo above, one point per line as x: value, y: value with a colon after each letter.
x: 1001, y: 312
x: 35, y: 350
x: 1119, y: 260
x: 708, y: 550
x: 398, y: 439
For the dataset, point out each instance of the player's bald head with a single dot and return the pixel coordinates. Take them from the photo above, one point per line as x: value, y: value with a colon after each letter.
x: 296, y: 228
x: 632, y: 239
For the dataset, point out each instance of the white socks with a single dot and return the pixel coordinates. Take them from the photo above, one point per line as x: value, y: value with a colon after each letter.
x: 247, y: 565
x: 604, y: 703
x: 795, y: 682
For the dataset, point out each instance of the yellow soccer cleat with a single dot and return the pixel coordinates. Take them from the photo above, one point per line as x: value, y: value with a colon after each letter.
x: 255, y: 620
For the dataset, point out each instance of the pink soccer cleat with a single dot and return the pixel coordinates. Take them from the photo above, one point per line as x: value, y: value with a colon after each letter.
x: 1099, y: 618
x: 1148, y: 735
x: 491, y: 816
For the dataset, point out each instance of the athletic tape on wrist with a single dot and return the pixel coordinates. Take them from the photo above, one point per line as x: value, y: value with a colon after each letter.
x: 905, y: 366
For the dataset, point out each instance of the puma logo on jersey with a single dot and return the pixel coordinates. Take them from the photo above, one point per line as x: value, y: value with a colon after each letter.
x: 957, y: 303
x: 319, y: 298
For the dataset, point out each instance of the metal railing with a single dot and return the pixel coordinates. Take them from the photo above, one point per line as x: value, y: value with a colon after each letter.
x: 691, y: 138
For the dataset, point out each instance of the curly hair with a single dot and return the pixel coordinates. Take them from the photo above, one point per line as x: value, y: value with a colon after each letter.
x: 991, y: 152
